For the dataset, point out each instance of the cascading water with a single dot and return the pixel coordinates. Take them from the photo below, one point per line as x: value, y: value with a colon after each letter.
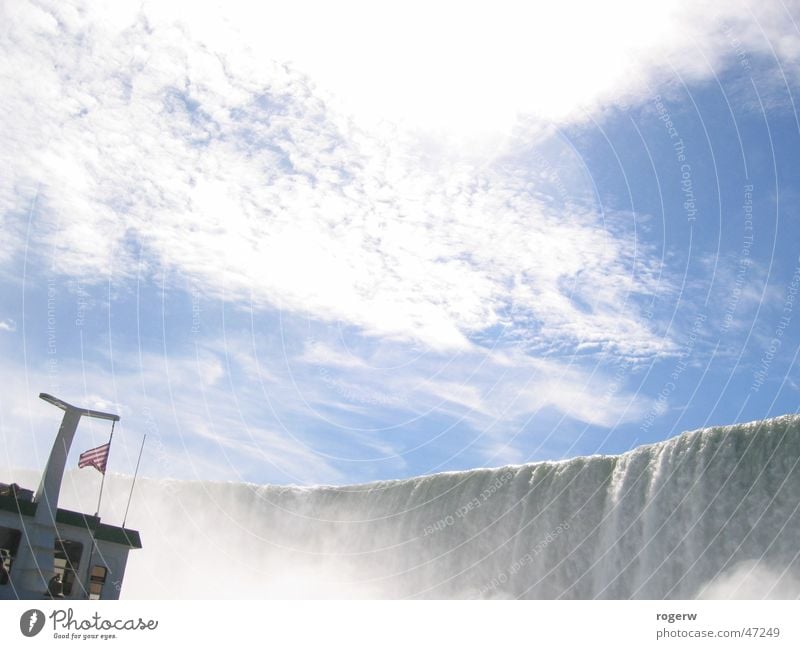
x: 712, y: 512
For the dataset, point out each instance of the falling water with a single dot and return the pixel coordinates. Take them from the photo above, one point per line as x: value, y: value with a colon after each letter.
x: 708, y: 513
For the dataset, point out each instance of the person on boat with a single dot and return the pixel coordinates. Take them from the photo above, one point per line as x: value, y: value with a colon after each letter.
x: 55, y: 589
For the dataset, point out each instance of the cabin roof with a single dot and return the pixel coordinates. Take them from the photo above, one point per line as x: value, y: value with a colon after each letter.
x: 102, y: 531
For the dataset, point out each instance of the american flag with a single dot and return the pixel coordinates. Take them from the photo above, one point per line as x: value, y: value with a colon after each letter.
x: 96, y: 457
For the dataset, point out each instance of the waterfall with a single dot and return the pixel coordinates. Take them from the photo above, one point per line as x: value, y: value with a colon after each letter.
x: 710, y: 513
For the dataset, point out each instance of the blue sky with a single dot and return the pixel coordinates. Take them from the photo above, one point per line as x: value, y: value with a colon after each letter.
x: 329, y: 246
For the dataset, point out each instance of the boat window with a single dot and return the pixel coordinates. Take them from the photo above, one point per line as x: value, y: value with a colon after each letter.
x: 96, y: 581
x: 67, y: 560
x: 9, y: 544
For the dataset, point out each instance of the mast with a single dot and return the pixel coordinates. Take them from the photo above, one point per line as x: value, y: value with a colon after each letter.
x: 36, y: 567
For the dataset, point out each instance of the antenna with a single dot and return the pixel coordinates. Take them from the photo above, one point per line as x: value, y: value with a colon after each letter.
x: 133, y: 484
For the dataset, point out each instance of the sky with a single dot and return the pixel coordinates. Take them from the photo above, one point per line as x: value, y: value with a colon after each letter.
x: 335, y: 243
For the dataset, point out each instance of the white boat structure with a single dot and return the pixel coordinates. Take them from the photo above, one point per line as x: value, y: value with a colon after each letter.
x: 47, y: 552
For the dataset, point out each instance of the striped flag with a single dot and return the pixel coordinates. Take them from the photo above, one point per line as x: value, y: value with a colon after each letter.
x: 96, y: 457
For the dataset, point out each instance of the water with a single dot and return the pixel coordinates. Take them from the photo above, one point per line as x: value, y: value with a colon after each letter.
x: 709, y: 513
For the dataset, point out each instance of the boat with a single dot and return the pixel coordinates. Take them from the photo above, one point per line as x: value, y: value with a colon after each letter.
x: 47, y: 552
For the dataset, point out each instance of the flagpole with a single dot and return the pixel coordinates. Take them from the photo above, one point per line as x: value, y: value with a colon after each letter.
x: 133, y: 484
x: 87, y: 585
x: 103, y: 481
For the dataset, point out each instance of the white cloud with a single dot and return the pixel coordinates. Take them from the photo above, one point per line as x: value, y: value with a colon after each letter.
x: 321, y: 353
x: 247, y: 183
x: 471, y: 69
x: 7, y: 324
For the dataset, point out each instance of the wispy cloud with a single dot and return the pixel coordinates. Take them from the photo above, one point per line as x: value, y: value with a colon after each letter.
x: 196, y: 426
x: 493, y: 393
x: 151, y: 150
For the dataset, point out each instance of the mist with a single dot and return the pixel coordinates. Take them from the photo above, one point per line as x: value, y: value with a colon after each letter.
x: 711, y: 513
